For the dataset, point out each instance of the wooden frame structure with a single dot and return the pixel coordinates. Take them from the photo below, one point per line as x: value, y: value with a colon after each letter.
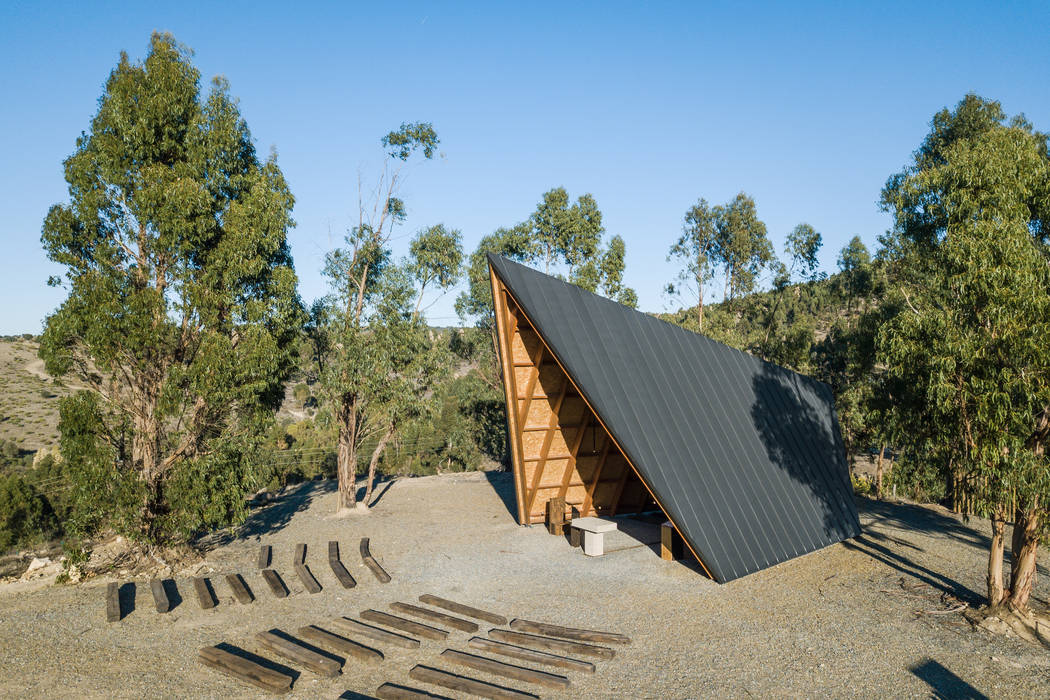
x: 611, y: 411
x: 559, y: 447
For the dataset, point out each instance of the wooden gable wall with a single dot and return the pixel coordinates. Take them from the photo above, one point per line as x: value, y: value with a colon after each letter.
x: 558, y: 446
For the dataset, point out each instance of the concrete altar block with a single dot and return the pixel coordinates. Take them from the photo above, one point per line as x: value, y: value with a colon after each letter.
x: 594, y: 530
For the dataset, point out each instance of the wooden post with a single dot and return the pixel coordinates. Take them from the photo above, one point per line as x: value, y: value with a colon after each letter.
x: 204, y: 593
x: 371, y: 563
x: 468, y: 611
x: 670, y: 542
x: 160, y: 596
x: 113, y: 602
x: 556, y: 516
x: 245, y: 670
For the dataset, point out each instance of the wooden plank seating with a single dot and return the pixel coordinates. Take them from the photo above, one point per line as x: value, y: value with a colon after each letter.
x: 344, y: 577
x: 435, y: 616
x: 265, y: 553
x: 160, y: 596
x: 295, y: 652
x: 549, y: 644
x: 499, y: 668
x: 577, y: 635
x: 530, y: 655
x: 400, y: 623
x: 303, y: 571
x: 594, y: 530
x: 275, y: 582
x: 371, y: 563
x: 356, y: 627
x: 244, y: 670
x: 435, y: 676
x: 390, y: 691
x: 341, y: 645
x: 491, y: 618
x: 240, y: 589
x: 204, y: 593
x: 113, y: 602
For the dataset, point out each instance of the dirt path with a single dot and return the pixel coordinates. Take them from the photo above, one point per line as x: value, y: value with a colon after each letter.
x: 847, y: 621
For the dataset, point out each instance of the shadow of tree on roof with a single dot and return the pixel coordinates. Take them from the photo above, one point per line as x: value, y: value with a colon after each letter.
x: 809, y: 490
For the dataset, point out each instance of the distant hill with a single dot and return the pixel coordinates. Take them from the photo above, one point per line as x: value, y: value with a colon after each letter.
x: 28, y: 396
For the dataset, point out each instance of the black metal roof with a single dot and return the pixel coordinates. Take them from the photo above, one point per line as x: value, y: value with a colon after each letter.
x: 744, y: 456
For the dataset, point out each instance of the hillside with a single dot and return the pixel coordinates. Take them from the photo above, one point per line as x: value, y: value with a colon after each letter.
x: 28, y: 396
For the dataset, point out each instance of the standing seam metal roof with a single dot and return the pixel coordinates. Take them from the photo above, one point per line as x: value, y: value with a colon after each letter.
x: 744, y: 456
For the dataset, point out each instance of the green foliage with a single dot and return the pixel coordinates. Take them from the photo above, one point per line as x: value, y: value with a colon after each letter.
x: 436, y: 258
x: 466, y: 428
x: 400, y: 144
x: 695, y: 251
x: 968, y: 342
x: 802, y: 246
x: 919, y: 477
x: 741, y: 244
x: 25, y: 514
x: 476, y: 302
x: 861, y: 485
x: 301, y: 393
x: 855, y: 263
x: 571, y: 235
x: 182, y: 309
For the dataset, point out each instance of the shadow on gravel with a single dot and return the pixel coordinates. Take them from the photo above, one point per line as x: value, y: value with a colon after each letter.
x: 379, y: 489
x: 943, y: 683
x: 172, y: 591
x: 911, y: 516
x: 272, y: 517
x: 503, y: 484
x: 929, y: 520
x: 866, y: 544
x: 126, y: 598
x: 307, y: 645
x: 351, y: 695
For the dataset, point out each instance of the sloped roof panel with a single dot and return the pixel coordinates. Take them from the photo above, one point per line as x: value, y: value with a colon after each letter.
x: 744, y: 456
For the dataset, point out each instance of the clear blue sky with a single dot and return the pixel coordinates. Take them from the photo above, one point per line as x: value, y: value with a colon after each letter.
x: 648, y: 106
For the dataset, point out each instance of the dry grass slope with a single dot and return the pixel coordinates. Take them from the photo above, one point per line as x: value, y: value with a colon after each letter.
x: 28, y: 396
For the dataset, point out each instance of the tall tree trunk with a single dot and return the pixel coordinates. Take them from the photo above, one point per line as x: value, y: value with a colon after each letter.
x: 346, y: 457
x: 376, y: 454
x: 145, y: 453
x: 1025, y: 545
x: 995, y: 560
x: 878, y: 473
x: 700, y: 305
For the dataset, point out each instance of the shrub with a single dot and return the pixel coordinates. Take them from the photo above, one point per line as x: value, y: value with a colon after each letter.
x: 25, y: 514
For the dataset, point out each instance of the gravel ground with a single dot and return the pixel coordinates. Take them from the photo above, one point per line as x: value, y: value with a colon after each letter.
x: 849, y: 621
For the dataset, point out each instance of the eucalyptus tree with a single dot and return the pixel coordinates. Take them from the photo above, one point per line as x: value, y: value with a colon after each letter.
x: 695, y: 250
x: 855, y: 264
x: 436, y: 259
x: 741, y: 245
x: 560, y: 234
x: 801, y: 248
x: 381, y: 360
x: 181, y: 311
x: 970, y: 339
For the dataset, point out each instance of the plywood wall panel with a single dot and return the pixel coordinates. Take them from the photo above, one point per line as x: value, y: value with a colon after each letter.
x: 532, y: 444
